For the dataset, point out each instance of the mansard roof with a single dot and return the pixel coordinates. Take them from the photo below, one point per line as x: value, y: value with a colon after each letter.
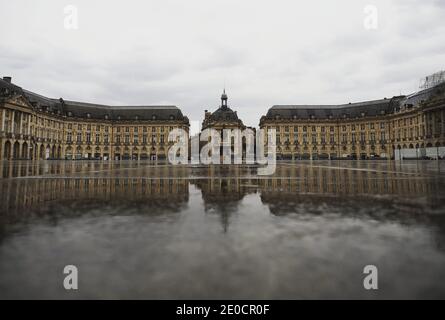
x: 353, y: 110
x: 223, y: 114
x: 92, y: 110
x: 368, y: 108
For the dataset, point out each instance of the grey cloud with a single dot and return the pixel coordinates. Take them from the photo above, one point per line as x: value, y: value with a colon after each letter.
x: 182, y: 53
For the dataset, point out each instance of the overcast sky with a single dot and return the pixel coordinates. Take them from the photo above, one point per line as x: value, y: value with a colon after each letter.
x: 183, y: 52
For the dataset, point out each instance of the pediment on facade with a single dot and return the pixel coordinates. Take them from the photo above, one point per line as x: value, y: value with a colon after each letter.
x: 20, y: 101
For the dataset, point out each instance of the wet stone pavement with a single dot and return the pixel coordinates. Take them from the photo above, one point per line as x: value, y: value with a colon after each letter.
x: 143, y: 230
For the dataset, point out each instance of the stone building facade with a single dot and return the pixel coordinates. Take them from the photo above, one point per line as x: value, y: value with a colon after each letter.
x: 225, y: 118
x: 401, y: 127
x: 37, y: 127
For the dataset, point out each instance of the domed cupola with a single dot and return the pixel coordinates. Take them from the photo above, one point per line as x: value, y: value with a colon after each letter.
x: 223, y: 116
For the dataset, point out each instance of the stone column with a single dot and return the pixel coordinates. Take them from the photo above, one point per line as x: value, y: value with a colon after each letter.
x: 442, y: 118
x: 21, y: 123
x: 3, y: 119
x: 29, y: 124
x: 12, y: 122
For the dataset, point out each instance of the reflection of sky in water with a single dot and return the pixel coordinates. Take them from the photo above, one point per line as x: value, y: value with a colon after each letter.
x: 139, y: 231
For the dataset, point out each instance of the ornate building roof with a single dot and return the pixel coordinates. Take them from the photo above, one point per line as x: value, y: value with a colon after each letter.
x: 351, y: 110
x: 368, y: 108
x: 91, y: 110
x: 223, y: 115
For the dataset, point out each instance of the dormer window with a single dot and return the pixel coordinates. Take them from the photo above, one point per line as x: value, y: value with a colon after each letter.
x: 118, y: 117
x: 277, y: 117
x: 136, y: 117
x: 106, y: 117
x: 294, y: 116
x: 363, y: 114
x: 153, y: 117
x: 172, y: 117
x: 70, y: 114
x: 88, y: 115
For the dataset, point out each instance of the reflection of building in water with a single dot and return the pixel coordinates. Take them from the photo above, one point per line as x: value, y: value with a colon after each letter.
x: 88, y: 169
x: 345, y: 181
x: 36, y: 127
x: 223, y: 190
x: 19, y: 194
x: 403, y: 126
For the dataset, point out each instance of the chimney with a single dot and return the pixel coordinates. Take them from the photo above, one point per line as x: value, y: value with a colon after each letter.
x: 7, y: 79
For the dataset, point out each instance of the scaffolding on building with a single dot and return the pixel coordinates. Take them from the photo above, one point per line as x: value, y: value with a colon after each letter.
x: 432, y: 80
